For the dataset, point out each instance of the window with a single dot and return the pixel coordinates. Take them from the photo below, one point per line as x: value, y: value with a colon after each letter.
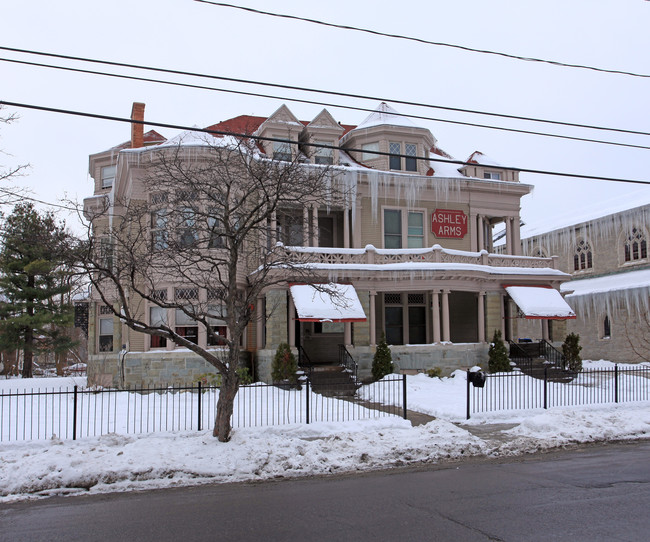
x: 323, y: 155
x: 539, y: 252
x: 106, y: 334
x: 369, y: 150
x: 290, y: 228
x: 394, y: 226
x: 106, y: 252
x: 158, y: 317
x: 282, y: 151
x: 216, y: 239
x: 186, y: 326
x: 492, y: 175
x: 405, y: 318
x: 583, y: 257
x: 411, y: 151
x: 395, y: 161
x: 636, y: 246
x: 187, y: 236
x: 217, y: 325
x: 607, y: 328
x: 159, y: 233
x: 108, y: 176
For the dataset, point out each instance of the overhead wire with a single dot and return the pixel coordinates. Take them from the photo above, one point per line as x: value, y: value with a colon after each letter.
x: 319, y: 91
x: 329, y: 104
x: 422, y: 40
x: 311, y: 144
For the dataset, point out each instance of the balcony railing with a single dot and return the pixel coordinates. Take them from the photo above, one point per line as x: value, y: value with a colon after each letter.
x: 435, y: 254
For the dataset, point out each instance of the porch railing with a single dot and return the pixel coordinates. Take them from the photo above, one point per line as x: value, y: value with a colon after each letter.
x: 347, y: 361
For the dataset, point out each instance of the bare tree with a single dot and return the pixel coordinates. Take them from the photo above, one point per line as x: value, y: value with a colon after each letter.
x: 636, y: 328
x: 208, y: 220
x: 9, y: 195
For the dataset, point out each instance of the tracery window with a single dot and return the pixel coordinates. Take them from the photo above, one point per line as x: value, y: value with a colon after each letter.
x: 583, y: 257
x: 636, y: 246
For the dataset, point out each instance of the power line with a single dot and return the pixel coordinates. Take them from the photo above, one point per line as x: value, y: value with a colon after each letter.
x: 321, y: 91
x: 311, y: 144
x: 421, y: 40
x: 329, y: 104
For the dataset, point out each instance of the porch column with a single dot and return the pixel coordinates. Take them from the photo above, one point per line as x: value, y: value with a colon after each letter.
x: 481, y: 231
x: 371, y: 319
x: 346, y: 228
x: 509, y: 235
x: 481, y: 317
x: 445, y: 316
x: 274, y: 228
x: 314, y: 225
x: 473, y: 232
x: 291, y: 322
x: 347, y: 333
x: 435, y: 315
x: 503, y: 316
x: 305, y: 226
x: 516, y: 236
x: 259, y: 324
x: 544, y: 329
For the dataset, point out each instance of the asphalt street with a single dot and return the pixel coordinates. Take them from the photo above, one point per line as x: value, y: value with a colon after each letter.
x: 589, y: 493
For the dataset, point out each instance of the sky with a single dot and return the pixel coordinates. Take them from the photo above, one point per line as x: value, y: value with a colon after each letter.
x: 197, y: 37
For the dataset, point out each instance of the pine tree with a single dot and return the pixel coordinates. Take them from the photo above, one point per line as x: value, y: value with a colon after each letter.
x: 34, y: 283
x: 382, y: 362
x: 285, y: 365
x: 571, y: 350
x: 498, y: 355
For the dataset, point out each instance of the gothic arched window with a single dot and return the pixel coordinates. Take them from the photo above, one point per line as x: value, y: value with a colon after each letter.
x: 636, y: 246
x: 583, y: 257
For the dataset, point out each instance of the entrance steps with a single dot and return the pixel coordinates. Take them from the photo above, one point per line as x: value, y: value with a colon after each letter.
x: 332, y: 380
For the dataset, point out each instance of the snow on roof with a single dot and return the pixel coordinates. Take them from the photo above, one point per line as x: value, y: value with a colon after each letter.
x: 608, y: 283
x: 443, y: 168
x: 540, y: 302
x: 327, y: 303
x: 385, y: 114
x: 478, y: 157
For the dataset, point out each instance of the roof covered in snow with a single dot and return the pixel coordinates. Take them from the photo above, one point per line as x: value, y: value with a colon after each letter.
x: 608, y: 283
x: 539, y: 302
x: 385, y: 114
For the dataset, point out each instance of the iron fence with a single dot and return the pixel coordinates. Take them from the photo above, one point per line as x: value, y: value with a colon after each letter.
x: 519, y: 391
x: 71, y: 413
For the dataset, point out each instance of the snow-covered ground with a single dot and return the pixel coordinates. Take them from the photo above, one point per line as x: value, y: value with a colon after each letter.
x: 115, y: 462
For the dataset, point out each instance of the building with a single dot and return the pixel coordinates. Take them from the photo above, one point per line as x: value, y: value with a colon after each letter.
x: 410, y: 246
x: 605, y: 249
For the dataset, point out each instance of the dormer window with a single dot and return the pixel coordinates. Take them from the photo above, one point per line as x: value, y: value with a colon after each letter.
x: 410, y: 161
x: 369, y: 151
x: 108, y: 176
x: 323, y: 155
x: 282, y: 151
x: 493, y: 175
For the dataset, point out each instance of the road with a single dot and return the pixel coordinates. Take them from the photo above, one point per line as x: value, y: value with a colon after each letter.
x: 592, y: 493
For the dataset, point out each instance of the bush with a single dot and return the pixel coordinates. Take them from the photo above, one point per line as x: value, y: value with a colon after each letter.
x: 382, y: 362
x: 571, y: 350
x: 498, y: 355
x: 434, y: 372
x: 285, y: 365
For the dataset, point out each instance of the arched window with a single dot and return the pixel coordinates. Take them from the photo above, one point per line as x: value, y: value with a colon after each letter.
x: 636, y: 246
x: 583, y: 256
x: 607, y: 328
x: 539, y: 252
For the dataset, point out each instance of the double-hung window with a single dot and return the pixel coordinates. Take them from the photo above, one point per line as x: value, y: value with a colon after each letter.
x: 108, y: 176
x: 159, y: 232
x: 106, y: 334
x: 218, y: 326
x: 370, y: 151
x: 188, y: 235
x: 403, y: 229
x: 495, y: 176
x: 282, y: 151
x: 186, y: 326
x: 323, y: 155
x: 410, y: 156
x: 395, y: 160
x: 157, y: 318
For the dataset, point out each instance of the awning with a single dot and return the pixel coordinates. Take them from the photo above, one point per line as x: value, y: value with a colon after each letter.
x: 327, y: 303
x: 540, y: 302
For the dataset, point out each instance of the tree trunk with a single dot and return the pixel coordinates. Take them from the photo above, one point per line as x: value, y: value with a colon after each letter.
x: 227, y: 393
x: 28, y: 353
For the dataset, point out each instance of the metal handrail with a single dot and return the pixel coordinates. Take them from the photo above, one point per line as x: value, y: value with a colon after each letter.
x: 304, y: 362
x: 552, y: 354
x: 347, y: 361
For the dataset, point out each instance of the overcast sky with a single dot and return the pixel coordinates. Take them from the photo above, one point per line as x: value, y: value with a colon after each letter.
x: 191, y: 36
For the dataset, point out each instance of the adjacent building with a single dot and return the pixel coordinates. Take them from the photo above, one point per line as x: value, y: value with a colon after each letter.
x: 411, y: 250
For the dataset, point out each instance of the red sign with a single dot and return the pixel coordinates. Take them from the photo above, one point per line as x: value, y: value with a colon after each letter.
x: 449, y: 224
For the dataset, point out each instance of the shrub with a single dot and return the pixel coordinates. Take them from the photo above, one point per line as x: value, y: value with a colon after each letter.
x: 285, y: 365
x: 571, y: 350
x: 498, y: 355
x: 434, y: 372
x: 382, y: 362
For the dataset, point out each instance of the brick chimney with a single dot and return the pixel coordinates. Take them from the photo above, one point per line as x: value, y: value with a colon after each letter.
x: 137, y: 129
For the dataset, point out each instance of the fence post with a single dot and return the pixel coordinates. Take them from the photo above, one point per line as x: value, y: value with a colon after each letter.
x: 468, y: 391
x: 404, y: 395
x: 616, y: 382
x: 307, y: 399
x: 199, y: 424
x: 545, y: 387
x: 74, y: 414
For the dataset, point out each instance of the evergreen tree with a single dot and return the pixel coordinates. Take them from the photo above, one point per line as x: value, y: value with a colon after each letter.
x: 382, y: 362
x: 285, y: 365
x: 498, y: 355
x: 571, y: 350
x: 34, y: 283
